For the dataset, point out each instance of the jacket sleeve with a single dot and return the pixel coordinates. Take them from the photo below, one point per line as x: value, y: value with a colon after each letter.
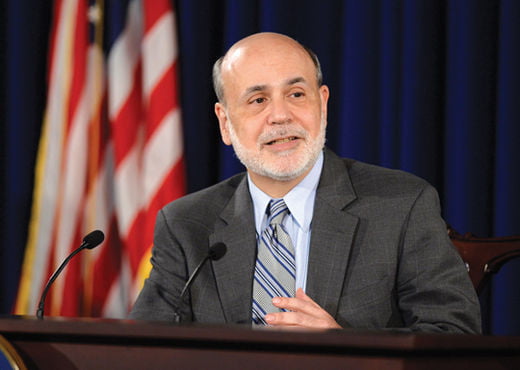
x: 159, y: 298
x: 434, y: 291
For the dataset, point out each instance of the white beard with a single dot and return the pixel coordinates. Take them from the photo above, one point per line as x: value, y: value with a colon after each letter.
x: 289, y: 165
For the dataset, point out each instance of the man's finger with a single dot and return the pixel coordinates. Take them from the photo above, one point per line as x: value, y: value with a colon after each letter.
x: 302, y: 295
x: 302, y: 303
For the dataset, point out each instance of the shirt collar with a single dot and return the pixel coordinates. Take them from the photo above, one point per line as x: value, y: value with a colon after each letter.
x: 300, y: 200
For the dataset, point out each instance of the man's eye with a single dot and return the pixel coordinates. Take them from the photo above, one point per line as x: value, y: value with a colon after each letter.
x: 258, y: 100
x: 298, y: 94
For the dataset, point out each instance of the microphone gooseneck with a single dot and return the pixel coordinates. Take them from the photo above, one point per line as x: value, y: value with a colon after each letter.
x: 215, y: 252
x: 90, y: 241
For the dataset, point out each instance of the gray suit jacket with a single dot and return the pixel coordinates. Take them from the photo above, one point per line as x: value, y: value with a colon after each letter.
x: 379, y: 256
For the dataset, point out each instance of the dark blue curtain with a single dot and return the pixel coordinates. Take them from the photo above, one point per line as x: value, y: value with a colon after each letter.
x: 24, y: 35
x: 428, y: 86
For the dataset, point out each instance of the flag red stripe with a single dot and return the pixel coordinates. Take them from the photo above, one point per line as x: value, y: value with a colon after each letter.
x: 163, y: 99
x: 173, y: 187
x: 125, y: 126
x: 154, y: 10
x: 106, y: 270
x: 135, y: 243
x: 73, y: 282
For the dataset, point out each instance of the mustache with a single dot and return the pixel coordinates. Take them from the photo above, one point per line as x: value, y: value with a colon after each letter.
x: 276, y: 133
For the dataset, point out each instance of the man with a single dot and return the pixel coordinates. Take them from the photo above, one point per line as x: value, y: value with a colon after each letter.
x: 366, y: 245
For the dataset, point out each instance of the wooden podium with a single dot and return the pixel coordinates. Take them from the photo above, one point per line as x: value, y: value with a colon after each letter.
x: 55, y: 343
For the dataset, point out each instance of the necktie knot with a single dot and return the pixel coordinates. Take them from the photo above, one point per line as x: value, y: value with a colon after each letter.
x: 277, y: 210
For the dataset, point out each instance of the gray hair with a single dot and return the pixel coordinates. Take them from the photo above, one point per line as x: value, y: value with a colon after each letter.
x: 218, y: 86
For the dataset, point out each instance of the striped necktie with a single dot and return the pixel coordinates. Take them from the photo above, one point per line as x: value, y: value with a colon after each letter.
x: 275, y: 269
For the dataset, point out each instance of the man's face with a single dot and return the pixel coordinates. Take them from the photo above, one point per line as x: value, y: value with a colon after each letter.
x: 275, y: 114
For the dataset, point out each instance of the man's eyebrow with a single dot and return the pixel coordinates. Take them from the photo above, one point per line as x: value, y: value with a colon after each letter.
x: 257, y: 88
x: 296, y: 80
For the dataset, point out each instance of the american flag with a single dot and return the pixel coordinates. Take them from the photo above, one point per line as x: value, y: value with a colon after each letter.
x: 110, y: 154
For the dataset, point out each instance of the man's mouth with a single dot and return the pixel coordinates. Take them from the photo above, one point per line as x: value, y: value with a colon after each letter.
x: 283, y: 140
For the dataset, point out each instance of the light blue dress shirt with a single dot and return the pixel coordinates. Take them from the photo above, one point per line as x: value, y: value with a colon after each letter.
x: 300, y: 201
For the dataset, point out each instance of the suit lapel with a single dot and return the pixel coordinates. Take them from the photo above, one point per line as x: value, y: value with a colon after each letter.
x: 333, y: 231
x: 234, y: 272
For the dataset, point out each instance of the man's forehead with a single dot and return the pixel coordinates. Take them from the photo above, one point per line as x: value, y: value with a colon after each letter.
x: 265, y: 61
x: 265, y: 47
x: 266, y: 40
x: 258, y: 68
x: 234, y: 56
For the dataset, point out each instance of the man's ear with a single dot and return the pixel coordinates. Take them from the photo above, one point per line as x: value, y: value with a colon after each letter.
x: 324, y: 96
x: 223, y: 122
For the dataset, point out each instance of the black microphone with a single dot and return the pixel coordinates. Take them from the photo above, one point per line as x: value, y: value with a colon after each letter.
x: 92, y: 240
x: 216, y: 252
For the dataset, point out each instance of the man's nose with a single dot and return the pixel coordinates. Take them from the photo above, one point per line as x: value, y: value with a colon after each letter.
x: 280, y: 111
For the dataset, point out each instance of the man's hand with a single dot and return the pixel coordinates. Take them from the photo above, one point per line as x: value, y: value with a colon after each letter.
x: 304, y: 312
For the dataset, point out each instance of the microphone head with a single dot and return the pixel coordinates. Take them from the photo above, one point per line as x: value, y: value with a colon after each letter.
x: 217, y: 251
x: 93, y: 239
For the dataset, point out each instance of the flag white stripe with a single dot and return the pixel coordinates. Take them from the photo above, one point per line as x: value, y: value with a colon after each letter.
x: 162, y: 151
x: 55, y: 116
x: 76, y: 159
x: 129, y: 197
x: 158, y: 43
x: 73, y: 189
x: 123, y: 59
x: 100, y: 201
x: 118, y: 299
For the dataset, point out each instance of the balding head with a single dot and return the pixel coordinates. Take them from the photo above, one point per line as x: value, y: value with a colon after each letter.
x: 260, y: 43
